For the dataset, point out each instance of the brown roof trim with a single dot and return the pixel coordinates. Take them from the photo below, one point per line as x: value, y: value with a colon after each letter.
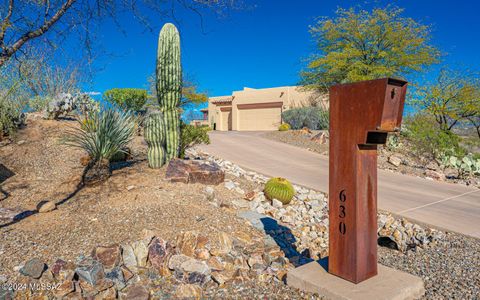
x: 260, y: 105
x: 228, y: 108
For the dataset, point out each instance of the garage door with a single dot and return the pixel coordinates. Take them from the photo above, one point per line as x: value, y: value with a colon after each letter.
x: 260, y: 118
x: 226, y: 121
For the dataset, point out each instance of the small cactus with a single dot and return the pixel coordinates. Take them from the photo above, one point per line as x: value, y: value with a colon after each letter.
x: 280, y: 189
x: 155, y: 138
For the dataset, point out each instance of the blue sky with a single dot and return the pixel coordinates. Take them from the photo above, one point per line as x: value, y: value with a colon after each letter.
x: 266, y: 45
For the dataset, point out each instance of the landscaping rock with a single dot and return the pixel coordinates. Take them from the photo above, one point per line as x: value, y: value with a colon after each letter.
x: 129, y: 259
x: 192, y: 265
x: 188, y: 291
x: 193, y: 171
x: 223, y: 244
x: 46, y: 206
x: 109, y: 256
x: 320, y: 138
x: 395, y: 160
x: 64, y: 289
x: 33, y: 268
x: 435, y: 174
x: 158, y: 252
x: 210, y: 193
x: 140, y: 248
x: 116, y: 276
x: 175, y: 262
x: 186, y: 243
x: 90, y: 270
x: 137, y: 292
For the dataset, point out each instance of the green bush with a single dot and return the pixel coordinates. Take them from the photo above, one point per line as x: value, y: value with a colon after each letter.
x: 284, y: 127
x: 315, y: 118
x: 128, y: 99
x: 428, y: 141
x: 39, y: 103
x: 11, y: 116
x: 191, y: 136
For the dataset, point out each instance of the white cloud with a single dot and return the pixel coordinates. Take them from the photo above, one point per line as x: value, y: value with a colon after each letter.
x: 93, y: 93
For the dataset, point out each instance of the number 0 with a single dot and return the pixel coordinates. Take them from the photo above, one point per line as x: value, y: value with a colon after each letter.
x: 342, y: 228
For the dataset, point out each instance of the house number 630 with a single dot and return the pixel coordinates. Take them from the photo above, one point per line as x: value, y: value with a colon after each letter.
x: 342, y: 214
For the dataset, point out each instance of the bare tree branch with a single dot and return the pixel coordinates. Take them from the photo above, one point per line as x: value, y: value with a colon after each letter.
x: 9, y: 51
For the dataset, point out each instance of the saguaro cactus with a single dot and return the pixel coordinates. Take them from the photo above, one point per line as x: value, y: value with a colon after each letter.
x: 169, y: 86
x: 155, y: 138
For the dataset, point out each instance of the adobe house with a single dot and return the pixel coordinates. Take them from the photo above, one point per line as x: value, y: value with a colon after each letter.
x: 256, y: 109
x: 203, y: 121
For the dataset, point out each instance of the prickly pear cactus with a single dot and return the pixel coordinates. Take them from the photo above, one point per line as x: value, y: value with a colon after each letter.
x: 155, y: 137
x: 169, y: 86
x: 280, y: 189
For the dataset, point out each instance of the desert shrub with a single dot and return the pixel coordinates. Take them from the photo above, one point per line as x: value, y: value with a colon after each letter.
x: 104, y: 134
x: 284, y: 127
x: 11, y: 116
x: 467, y: 166
x: 39, y: 103
x: 280, y: 189
x: 191, y: 136
x: 128, y: 99
x: 428, y: 142
x: 315, y: 118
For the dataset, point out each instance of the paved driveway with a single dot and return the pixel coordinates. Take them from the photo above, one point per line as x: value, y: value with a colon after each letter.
x: 450, y: 206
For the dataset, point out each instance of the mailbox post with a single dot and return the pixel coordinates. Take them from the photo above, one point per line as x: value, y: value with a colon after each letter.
x: 361, y: 115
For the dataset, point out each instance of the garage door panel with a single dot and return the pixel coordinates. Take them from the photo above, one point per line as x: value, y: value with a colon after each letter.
x: 260, y: 118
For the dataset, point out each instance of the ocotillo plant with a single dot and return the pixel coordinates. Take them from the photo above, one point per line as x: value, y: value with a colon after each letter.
x: 169, y: 85
x: 155, y: 138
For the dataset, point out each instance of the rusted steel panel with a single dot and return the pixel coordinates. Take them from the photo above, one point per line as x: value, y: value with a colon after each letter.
x: 361, y: 115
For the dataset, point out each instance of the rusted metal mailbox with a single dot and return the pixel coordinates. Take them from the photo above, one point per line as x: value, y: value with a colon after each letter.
x: 361, y: 115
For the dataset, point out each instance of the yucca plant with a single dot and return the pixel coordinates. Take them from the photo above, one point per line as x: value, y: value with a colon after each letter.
x: 102, y: 136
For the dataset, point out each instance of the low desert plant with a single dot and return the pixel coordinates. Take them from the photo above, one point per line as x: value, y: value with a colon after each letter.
x: 428, y: 142
x: 467, y: 166
x: 315, y: 118
x: 105, y: 134
x: 128, y: 99
x: 284, y: 127
x: 280, y: 189
x: 11, y: 115
x: 191, y: 136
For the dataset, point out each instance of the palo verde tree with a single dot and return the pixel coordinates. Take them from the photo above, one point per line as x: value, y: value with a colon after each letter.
x: 51, y: 23
x: 452, y: 99
x: 358, y: 45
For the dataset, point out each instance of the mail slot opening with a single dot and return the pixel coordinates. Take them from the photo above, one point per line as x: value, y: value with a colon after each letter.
x: 375, y: 137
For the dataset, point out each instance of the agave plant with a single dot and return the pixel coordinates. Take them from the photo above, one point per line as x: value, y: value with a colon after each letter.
x: 102, y: 135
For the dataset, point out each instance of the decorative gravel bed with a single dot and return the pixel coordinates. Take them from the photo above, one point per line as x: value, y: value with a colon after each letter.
x: 449, y: 266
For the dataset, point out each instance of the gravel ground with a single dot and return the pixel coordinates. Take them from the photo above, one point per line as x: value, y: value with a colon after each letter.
x: 117, y: 211
x: 136, y: 197
x: 449, y: 268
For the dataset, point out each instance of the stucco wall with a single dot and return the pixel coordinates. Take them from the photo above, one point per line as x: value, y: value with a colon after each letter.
x: 289, y: 96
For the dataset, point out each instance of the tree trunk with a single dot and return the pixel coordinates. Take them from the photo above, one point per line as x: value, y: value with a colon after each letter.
x: 97, y: 172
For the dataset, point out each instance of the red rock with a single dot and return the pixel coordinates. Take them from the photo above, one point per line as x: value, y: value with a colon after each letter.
x: 158, y: 253
x: 108, y: 256
x: 194, y: 171
x: 137, y: 292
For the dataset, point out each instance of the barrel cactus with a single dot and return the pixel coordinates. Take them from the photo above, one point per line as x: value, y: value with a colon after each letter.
x: 155, y: 138
x: 169, y: 86
x: 280, y: 189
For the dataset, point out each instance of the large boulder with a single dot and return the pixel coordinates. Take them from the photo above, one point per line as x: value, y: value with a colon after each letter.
x: 194, y: 171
